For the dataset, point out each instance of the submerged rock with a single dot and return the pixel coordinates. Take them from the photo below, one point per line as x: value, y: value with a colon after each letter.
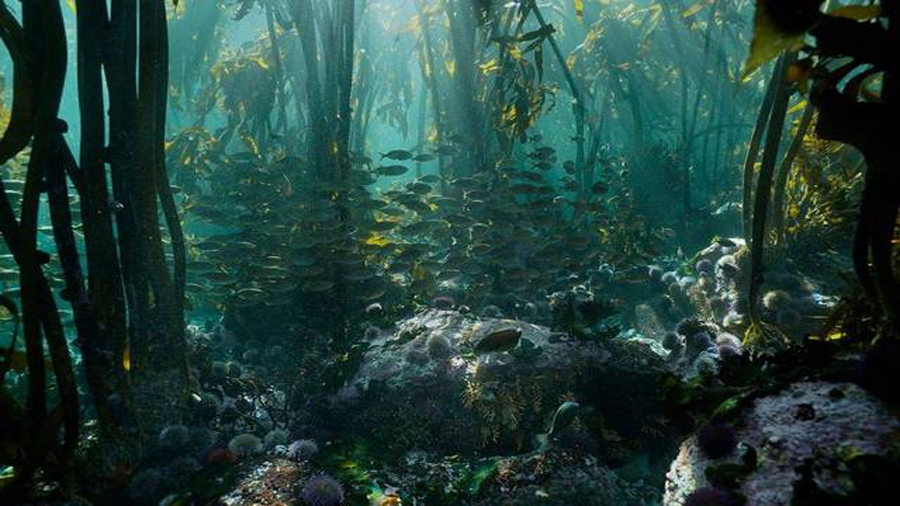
x: 804, y: 439
x: 556, y: 476
x: 270, y: 482
x: 453, y: 394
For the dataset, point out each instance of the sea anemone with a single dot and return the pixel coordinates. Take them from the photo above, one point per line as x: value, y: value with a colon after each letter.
x: 717, y: 304
x: 777, y: 300
x: 687, y: 282
x: 726, y: 339
x: 697, y: 343
x: 529, y: 310
x: 234, y: 369
x: 416, y: 356
x: 322, y: 490
x: 674, y: 289
x: 173, y: 437
x: 302, y: 449
x: 372, y: 333
x: 704, y: 265
x: 672, y: 342
x: 276, y: 437
x: 733, y: 320
x: 716, y: 440
x: 218, y: 369
x: 788, y: 318
x: 492, y: 311
x: 374, y: 309
x: 710, y: 496
x: 669, y: 277
x: 244, y: 445
x: 251, y: 355
x: 687, y: 327
x: 438, y: 345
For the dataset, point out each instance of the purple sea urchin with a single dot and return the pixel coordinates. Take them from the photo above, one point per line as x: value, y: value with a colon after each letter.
x: 716, y: 440
x: 322, y: 490
x: 777, y: 300
x: 710, y: 496
x: 302, y: 449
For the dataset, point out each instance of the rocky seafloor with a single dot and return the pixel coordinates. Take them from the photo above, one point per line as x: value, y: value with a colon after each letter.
x: 450, y: 407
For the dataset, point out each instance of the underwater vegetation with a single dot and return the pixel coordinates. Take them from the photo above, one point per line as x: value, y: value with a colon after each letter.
x: 384, y: 252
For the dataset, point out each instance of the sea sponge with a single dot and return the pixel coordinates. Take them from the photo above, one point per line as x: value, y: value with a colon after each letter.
x: 244, y: 445
x: 710, y: 496
x: 438, y: 345
x: 276, y: 437
x: 716, y: 440
x: 777, y: 300
x: 302, y: 449
x: 322, y: 490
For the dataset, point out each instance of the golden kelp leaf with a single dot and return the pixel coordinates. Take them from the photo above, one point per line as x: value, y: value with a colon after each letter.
x: 450, y: 66
x: 694, y: 9
x: 259, y: 60
x: 579, y: 10
x: 769, y: 40
x: 799, y: 107
x: 126, y: 358
x: 489, y: 66
x: 857, y: 12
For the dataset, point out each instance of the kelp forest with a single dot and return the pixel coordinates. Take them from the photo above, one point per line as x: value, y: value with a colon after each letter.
x: 449, y: 252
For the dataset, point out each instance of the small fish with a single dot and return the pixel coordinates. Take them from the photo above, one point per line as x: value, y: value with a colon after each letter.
x: 501, y: 340
x: 397, y: 154
x: 600, y: 188
x: 424, y: 157
x: 392, y: 170
x: 564, y: 416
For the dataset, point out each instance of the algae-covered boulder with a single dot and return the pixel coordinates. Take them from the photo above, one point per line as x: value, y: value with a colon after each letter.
x: 812, y: 443
x: 451, y: 382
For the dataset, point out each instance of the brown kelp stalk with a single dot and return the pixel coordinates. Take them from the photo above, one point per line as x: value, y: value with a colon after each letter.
x: 762, y: 119
x: 761, y: 199
x: 784, y: 171
x: 157, y: 348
